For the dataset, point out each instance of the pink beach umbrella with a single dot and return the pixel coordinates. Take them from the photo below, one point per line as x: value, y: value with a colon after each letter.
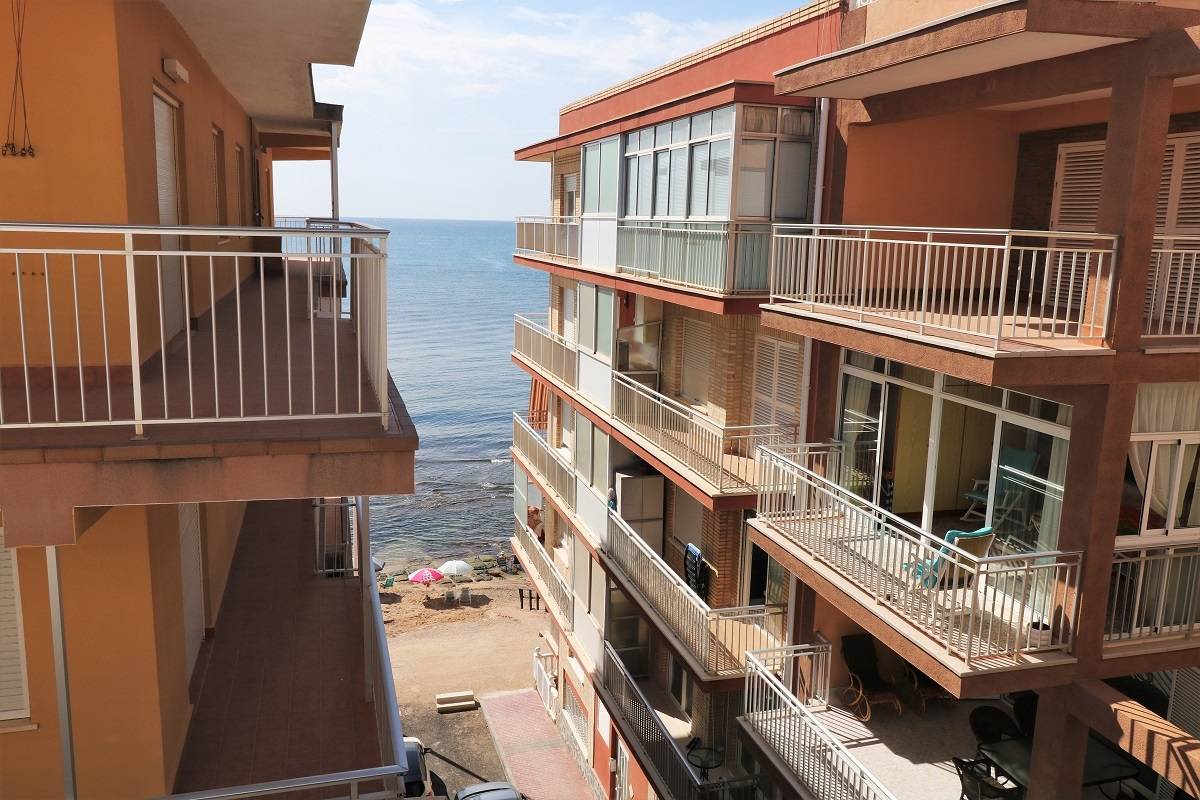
x: 425, y: 576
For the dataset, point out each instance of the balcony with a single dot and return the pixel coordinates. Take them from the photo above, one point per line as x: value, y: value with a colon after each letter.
x: 540, y: 567
x: 793, y: 727
x: 974, y: 612
x: 556, y: 472
x: 718, y: 639
x: 116, y: 327
x: 721, y: 456
x: 1172, y: 314
x: 536, y: 343
x: 660, y: 750
x: 286, y: 702
x: 1154, y: 597
x: 983, y: 291
x: 549, y: 238
x: 721, y: 257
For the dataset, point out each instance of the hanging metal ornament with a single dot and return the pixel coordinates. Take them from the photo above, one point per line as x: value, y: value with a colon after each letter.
x: 17, y: 104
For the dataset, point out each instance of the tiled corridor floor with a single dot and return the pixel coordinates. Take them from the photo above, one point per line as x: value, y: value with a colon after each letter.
x: 283, y: 691
x: 531, y: 748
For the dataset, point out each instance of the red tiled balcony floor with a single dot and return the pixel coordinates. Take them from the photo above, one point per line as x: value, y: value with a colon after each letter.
x: 283, y: 692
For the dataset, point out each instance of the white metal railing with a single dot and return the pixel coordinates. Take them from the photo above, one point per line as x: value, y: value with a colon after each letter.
x: 789, y: 725
x: 723, y: 455
x: 104, y: 325
x: 986, y: 284
x: 556, y: 471
x: 726, y: 257
x: 533, y: 340
x: 545, y: 680
x: 555, y: 237
x: 718, y: 638
x: 665, y: 756
x: 975, y: 607
x: 1173, y: 288
x: 376, y: 782
x: 1154, y: 593
x: 542, y: 565
x: 335, y: 534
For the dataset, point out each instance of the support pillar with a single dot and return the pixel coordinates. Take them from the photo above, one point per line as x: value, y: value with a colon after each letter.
x: 63, y: 695
x: 335, y: 129
x: 1059, y: 748
x: 1133, y: 153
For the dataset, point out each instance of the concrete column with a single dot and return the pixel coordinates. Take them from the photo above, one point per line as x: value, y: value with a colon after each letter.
x: 1095, y: 477
x: 335, y: 129
x: 1059, y: 747
x: 59, y: 644
x: 1137, y: 135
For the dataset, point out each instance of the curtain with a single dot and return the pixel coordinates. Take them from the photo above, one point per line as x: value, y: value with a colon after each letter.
x: 1164, y: 408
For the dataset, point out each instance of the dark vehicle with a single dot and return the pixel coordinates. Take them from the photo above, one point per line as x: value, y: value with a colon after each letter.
x: 490, y: 791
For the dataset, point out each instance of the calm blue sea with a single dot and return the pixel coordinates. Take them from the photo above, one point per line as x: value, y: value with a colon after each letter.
x: 452, y: 292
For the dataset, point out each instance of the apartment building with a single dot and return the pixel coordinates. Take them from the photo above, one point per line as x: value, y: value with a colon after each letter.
x: 195, y: 408
x: 868, y: 397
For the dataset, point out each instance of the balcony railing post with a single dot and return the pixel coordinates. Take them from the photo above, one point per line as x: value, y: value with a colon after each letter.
x: 1003, y: 291
x: 135, y: 360
x: 925, y: 269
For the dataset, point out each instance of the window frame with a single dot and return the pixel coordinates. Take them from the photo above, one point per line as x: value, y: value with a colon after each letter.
x: 24, y: 712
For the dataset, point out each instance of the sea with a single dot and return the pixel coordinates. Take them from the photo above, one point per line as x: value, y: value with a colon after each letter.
x: 452, y: 292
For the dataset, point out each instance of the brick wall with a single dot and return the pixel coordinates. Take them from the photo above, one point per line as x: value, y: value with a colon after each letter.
x: 720, y: 542
x: 1037, y: 157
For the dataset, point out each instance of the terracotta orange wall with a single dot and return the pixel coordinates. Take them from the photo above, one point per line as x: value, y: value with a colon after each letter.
x: 147, y: 33
x: 949, y: 171
x: 756, y: 61
x: 222, y: 522
x: 833, y: 625
x: 123, y: 623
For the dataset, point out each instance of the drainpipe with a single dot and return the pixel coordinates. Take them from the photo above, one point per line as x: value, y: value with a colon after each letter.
x: 59, y: 645
x: 822, y: 144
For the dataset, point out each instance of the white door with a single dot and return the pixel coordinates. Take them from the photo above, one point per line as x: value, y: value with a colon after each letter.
x: 14, y: 699
x: 621, y: 779
x: 191, y: 581
x: 166, y: 138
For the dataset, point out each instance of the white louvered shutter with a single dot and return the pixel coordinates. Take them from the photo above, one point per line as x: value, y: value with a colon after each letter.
x: 697, y: 359
x: 14, y: 698
x: 568, y: 313
x: 778, y: 381
x: 1173, y: 285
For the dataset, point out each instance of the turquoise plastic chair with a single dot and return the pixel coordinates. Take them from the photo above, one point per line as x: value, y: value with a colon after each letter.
x: 929, y: 571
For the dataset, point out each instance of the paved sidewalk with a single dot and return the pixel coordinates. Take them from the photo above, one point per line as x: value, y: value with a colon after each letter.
x: 534, y: 754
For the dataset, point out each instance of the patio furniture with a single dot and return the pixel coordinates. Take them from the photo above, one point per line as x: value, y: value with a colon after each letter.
x: 991, y: 724
x: 704, y: 758
x: 977, y: 784
x: 867, y: 686
x: 1009, y: 504
x: 931, y: 572
x: 922, y: 688
x: 1102, y: 762
x: 464, y: 596
x: 1025, y: 710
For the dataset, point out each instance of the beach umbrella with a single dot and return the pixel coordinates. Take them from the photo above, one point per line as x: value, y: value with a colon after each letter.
x: 425, y: 576
x: 456, y: 568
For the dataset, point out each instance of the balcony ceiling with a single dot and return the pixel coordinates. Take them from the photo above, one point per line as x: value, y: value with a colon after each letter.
x: 261, y: 50
x: 974, y: 59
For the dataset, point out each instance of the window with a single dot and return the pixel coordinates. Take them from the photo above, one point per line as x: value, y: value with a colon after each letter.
x: 595, y: 327
x: 591, y: 178
x: 756, y: 161
x: 697, y: 360
x: 681, y: 167
x: 14, y: 698
x: 239, y: 165
x: 591, y: 454
x: 599, y: 590
x: 681, y: 685
x: 609, y: 176
x: 778, y: 382
x: 220, y: 197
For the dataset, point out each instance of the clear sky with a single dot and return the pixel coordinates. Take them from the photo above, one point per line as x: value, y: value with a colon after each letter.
x: 445, y: 90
